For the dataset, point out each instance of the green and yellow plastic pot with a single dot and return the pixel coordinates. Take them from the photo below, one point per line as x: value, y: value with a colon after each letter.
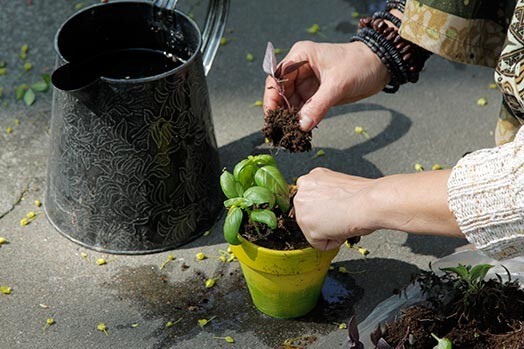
x: 283, y: 284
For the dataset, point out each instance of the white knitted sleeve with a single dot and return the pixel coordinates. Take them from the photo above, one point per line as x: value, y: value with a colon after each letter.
x: 486, y: 195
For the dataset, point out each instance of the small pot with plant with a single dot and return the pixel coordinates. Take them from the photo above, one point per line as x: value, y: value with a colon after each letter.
x: 283, y: 273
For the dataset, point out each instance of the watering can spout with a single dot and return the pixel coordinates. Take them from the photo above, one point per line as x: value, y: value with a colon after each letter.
x: 80, y: 82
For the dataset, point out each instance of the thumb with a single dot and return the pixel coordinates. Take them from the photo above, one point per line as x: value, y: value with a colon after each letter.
x: 316, y: 107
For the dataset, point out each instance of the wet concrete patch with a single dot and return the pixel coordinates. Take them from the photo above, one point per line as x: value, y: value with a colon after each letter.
x: 151, y: 292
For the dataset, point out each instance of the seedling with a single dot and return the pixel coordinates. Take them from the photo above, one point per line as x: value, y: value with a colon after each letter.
x: 254, y: 190
x: 279, y: 72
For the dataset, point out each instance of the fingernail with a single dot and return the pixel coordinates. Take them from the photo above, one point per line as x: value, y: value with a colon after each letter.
x: 306, y: 123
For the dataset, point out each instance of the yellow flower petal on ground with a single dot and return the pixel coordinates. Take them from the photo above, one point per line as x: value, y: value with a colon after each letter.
x: 30, y: 215
x: 342, y: 326
x: 200, y: 256
x: 102, y: 327
x: 436, y: 167
x: 2, y: 240
x: 314, y: 29
x: 24, y: 222
x: 172, y: 323
x: 418, y: 167
x: 228, y: 339
x: 482, y: 101
x: 204, y: 322
x: 361, y: 131
x: 363, y: 251
x: 210, y: 283
x: 50, y: 321
x: 38, y: 203
x: 319, y: 154
x: 101, y: 261
x: 6, y: 289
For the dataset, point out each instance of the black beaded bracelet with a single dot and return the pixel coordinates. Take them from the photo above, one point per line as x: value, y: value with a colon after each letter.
x: 396, y: 5
x: 388, y: 55
x: 388, y: 16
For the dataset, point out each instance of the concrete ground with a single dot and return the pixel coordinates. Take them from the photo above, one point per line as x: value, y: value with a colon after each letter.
x: 434, y: 121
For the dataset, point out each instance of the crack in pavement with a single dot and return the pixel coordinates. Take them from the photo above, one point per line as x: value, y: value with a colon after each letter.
x: 17, y: 202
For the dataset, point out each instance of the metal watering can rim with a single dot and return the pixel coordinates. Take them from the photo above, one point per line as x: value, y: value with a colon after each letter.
x: 132, y: 80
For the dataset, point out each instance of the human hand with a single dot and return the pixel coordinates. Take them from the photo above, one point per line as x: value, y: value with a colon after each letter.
x: 331, y: 207
x: 334, y: 74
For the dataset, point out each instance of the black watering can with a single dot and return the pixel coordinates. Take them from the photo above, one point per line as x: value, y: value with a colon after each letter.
x: 134, y: 166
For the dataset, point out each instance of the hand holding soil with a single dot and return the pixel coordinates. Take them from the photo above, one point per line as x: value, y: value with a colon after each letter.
x: 333, y: 74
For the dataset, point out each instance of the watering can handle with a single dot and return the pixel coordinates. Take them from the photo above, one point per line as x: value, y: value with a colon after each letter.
x: 216, y: 18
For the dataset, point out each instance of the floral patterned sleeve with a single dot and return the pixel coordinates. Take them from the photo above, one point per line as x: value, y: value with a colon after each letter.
x: 471, y: 31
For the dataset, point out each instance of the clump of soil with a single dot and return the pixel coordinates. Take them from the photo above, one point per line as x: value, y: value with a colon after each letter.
x: 287, y: 235
x: 490, y: 316
x: 282, y: 128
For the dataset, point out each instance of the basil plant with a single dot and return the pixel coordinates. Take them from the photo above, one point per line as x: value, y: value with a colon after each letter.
x: 254, y: 189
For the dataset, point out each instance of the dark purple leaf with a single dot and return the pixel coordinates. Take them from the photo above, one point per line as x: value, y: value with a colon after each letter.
x: 270, y: 60
x: 287, y: 67
x: 376, y: 335
x: 382, y: 344
x: 354, y: 336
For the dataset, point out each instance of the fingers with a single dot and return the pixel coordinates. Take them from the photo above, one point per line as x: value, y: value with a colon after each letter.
x: 298, y: 53
x: 272, y: 100
x: 317, y: 106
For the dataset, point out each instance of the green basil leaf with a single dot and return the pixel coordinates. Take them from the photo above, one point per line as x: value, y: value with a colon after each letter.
x: 232, y: 225
x: 40, y: 86
x: 238, y: 202
x: 264, y: 159
x: 228, y: 185
x: 29, y: 97
x: 260, y: 195
x: 239, y: 188
x: 266, y: 217
x: 244, y: 172
x: 271, y: 178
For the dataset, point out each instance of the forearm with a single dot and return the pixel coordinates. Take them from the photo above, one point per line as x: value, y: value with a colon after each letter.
x: 414, y: 203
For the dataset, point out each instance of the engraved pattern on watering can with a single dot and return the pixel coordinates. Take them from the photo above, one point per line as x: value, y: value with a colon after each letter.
x: 141, y: 175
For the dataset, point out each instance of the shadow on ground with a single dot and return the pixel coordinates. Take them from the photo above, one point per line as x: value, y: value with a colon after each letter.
x: 430, y: 245
x: 151, y: 292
